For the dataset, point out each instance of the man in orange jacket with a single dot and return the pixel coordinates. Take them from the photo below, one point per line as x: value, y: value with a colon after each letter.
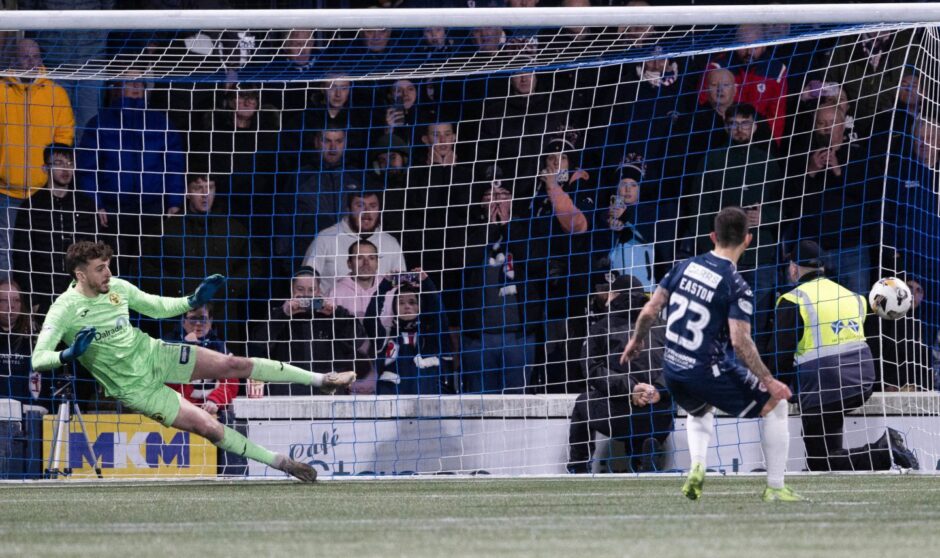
x: 34, y: 112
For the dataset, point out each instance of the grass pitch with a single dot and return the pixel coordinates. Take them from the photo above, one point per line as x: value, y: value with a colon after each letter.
x: 850, y: 516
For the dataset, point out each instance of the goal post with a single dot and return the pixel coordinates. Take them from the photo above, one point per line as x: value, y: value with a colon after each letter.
x: 468, y: 207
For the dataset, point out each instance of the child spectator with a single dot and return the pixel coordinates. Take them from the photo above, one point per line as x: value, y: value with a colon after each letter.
x: 416, y: 354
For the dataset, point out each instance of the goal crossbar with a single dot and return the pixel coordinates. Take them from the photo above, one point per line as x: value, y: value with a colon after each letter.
x: 468, y: 18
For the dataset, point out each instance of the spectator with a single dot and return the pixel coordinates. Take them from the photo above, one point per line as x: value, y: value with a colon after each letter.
x: 363, y: 222
x: 708, y: 130
x: 564, y: 198
x: 35, y: 112
x: 201, y: 243
x: 500, y: 309
x: 416, y: 356
x: 240, y: 142
x: 651, y: 116
x: 488, y: 39
x: 437, y: 198
x: 834, y: 197
x: 356, y: 291
x: 311, y: 200
x: 131, y: 160
x: 743, y: 175
x: 627, y: 402
x: 815, y: 94
x: 48, y: 223
x: 910, y: 189
x: 514, y: 126
x: 869, y: 67
x: 620, y: 244
x: 308, y: 331
x: 73, y: 47
x: 402, y: 110
x: 331, y: 110
x: 651, y: 107
x: 17, y: 380
x: 298, y: 56
x: 761, y: 78
x: 214, y: 396
x: 834, y: 371
x: 389, y: 160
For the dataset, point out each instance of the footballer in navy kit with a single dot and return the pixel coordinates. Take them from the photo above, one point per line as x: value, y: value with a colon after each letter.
x: 708, y: 312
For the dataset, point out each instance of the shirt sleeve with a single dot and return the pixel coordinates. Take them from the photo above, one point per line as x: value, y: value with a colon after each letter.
x: 46, y: 354
x: 740, y: 302
x: 154, y: 306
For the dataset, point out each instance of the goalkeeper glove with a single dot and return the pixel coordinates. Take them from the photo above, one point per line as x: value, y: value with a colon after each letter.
x: 83, y: 339
x: 206, y: 291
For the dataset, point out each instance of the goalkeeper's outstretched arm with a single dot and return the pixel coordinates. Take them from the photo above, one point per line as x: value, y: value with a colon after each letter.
x: 160, y: 307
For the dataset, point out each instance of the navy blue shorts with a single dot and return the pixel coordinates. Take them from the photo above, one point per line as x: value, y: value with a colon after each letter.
x: 733, y: 389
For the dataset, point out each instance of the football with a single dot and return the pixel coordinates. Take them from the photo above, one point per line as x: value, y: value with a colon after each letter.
x: 890, y: 298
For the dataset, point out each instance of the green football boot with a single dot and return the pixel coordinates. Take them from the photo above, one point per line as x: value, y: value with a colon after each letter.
x: 692, y: 489
x: 784, y: 494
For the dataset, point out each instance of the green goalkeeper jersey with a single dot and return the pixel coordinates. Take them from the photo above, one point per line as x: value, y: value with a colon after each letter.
x: 119, y: 356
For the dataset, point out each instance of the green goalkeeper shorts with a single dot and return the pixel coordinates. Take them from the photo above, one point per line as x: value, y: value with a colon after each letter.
x: 172, y: 363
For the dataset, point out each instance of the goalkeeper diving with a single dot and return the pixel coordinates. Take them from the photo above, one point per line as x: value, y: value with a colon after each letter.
x: 92, y: 317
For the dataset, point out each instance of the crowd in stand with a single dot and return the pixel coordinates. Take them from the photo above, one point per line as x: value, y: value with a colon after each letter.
x: 445, y: 235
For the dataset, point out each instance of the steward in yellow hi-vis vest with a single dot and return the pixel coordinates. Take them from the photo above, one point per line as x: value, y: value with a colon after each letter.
x: 820, y: 330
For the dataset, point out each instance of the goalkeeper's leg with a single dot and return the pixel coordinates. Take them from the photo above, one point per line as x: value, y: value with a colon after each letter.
x: 211, y: 365
x: 193, y: 419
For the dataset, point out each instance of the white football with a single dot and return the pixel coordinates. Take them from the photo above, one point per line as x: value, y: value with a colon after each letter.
x: 890, y: 298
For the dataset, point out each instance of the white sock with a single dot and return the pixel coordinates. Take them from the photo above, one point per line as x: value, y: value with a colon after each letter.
x: 775, y: 441
x: 699, y: 431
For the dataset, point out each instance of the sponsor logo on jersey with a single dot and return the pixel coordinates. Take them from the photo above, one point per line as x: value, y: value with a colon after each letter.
x: 703, y: 274
x: 114, y: 298
x: 184, y: 354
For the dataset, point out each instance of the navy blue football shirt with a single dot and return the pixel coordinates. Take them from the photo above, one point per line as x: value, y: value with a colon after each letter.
x: 704, y: 292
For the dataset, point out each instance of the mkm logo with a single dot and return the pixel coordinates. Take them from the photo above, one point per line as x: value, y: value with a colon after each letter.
x: 141, y: 450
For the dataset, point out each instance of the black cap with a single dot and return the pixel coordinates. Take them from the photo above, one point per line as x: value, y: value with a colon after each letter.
x: 632, y: 166
x: 807, y: 254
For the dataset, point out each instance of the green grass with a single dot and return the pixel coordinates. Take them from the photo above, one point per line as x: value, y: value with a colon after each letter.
x: 850, y: 516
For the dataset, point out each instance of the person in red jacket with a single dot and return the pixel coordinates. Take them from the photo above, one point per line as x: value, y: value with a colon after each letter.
x: 762, y: 80
x: 214, y: 396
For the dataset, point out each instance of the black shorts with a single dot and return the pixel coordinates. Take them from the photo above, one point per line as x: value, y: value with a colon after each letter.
x: 733, y: 389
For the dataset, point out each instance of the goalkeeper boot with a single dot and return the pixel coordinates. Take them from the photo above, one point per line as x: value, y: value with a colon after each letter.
x: 784, y: 494
x: 692, y: 489
x: 336, y: 380
x: 298, y: 470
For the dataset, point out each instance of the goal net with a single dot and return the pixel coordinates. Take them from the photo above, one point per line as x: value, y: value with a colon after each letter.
x: 470, y: 218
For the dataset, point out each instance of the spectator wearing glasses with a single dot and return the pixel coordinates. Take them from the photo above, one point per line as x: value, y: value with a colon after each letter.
x: 48, y: 223
x: 214, y: 396
x: 742, y: 174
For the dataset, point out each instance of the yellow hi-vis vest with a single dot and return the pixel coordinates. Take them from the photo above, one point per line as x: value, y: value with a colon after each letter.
x: 833, y: 319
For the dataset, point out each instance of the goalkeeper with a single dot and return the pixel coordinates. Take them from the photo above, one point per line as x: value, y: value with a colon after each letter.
x: 92, y: 317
